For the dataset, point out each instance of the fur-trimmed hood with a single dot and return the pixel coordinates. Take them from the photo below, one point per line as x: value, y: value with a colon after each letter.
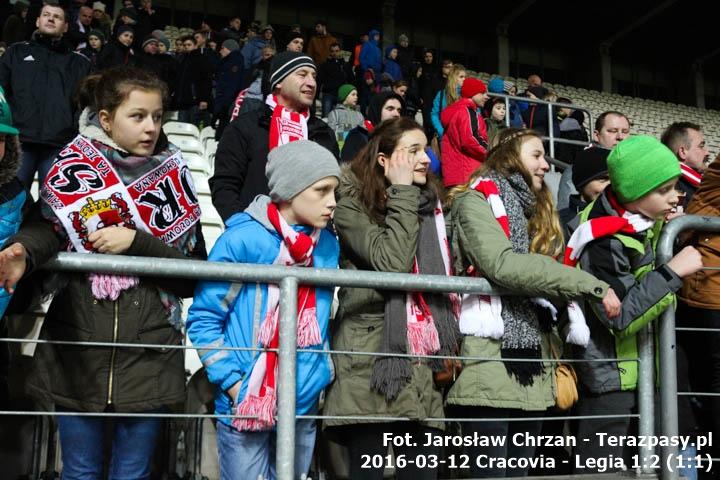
x: 10, y: 163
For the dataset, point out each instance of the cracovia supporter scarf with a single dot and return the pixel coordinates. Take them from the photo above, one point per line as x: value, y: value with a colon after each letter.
x: 86, y: 194
x: 625, y: 222
x: 286, y: 126
x: 692, y: 176
x: 419, y: 323
x: 260, y: 402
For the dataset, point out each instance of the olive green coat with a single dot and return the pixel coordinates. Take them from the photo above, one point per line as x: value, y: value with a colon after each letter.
x: 478, y: 240
x: 365, y: 245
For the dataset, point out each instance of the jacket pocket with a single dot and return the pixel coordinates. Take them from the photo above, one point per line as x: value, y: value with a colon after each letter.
x: 364, y: 334
x: 160, y: 336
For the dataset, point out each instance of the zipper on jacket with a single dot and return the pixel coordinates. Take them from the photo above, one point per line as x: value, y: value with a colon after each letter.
x: 112, y: 355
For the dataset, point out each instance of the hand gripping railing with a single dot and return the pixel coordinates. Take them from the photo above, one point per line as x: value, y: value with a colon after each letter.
x: 668, y: 361
x: 289, y: 278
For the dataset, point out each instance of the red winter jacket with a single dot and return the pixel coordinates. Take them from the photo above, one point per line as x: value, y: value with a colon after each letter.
x: 465, y: 142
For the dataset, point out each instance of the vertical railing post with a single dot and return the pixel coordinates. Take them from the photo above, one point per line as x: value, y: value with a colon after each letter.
x: 551, y: 131
x: 285, y: 458
x: 646, y: 394
x: 668, y: 359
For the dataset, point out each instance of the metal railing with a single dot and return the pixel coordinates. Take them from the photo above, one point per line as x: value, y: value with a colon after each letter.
x: 551, y: 136
x: 668, y: 347
x: 289, y: 278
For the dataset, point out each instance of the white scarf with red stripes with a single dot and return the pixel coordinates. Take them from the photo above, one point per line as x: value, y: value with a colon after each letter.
x: 260, y: 402
x: 481, y: 315
x: 422, y: 334
x: 286, y: 126
x: 625, y: 222
x: 692, y: 176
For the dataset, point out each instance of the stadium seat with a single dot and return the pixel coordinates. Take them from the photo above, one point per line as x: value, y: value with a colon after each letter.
x: 181, y: 128
x: 186, y: 144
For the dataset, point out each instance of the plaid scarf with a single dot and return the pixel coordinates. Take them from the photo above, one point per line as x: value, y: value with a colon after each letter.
x: 260, y: 402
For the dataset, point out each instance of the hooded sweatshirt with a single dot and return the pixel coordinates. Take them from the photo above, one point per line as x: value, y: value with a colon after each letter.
x: 370, y: 55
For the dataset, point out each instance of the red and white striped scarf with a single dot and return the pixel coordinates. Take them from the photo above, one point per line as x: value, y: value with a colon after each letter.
x: 593, y: 229
x: 286, y: 126
x: 260, y: 402
x: 422, y: 334
x: 482, y: 314
x: 692, y: 176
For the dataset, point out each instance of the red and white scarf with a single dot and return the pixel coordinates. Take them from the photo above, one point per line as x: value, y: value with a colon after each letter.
x: 422, y: 334
x: 286, y: 126
x: 626, y: 222
x: 692, y: 176
x: 368, y: 126
x: 260, y: 402
x: 481, y: 315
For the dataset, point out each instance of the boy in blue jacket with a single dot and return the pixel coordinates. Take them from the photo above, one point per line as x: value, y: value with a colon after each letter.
x: 287, y: 228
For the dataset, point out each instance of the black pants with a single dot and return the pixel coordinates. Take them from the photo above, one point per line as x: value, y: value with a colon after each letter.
x: 365, y: 441
x: 612, y: 403
x: 502, y: 429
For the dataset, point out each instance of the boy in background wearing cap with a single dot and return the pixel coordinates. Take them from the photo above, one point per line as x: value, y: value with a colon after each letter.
x: 13, y: 196
x: 465, y: 142
x: 242, y: 153
x: 286, y: 228
x: 614, y: 238
x: 590, y: 177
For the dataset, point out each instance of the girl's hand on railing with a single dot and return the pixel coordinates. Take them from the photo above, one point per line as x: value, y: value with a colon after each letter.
x: 611, y: 304
x: 12, y: 266
x: 113, y: 240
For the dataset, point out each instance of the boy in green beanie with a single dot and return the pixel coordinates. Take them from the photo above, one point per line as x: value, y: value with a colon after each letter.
x: 614, y: 238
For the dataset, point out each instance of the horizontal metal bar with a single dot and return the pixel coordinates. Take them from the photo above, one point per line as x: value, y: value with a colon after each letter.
x: 698, y: 394
x: 465, y: 419
x: 698, y: 329
x: 240, y: 272
x: 330, y: 352
x: 306, y: 417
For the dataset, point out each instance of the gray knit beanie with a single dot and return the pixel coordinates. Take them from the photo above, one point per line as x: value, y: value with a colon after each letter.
x: 293, y: 167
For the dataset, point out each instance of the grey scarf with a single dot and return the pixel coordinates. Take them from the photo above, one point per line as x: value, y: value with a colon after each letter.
x: 391, y: 374
x: 520, y: 315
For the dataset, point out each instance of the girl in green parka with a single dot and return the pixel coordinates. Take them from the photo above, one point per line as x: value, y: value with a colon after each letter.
x: 505, y: 228
x: 389, y: 219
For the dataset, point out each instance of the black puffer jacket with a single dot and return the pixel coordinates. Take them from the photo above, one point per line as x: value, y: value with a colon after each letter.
x: 41, y: 90
x: 241, y: 157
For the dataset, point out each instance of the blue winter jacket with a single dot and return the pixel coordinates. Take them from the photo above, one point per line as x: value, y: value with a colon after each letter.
x: 252, y: 51
x: 371, y: 55
x: 228, y: 80
x: 12, y: 199
x: 230, y: 314
x: 391, y: 67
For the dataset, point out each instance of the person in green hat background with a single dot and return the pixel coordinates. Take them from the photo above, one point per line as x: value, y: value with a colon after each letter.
x: 13, y: 197
x: 346, y: 115
x: 643, y: 173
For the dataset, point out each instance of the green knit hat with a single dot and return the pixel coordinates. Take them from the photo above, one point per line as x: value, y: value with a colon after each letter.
x: 6, y: 122
x: 344, y: 91
x: 640, y: 164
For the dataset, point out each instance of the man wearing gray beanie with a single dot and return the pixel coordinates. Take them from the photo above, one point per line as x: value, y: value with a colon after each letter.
x: 243, y: 150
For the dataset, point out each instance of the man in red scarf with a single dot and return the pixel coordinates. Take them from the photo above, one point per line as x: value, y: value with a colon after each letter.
x: 287, y: 116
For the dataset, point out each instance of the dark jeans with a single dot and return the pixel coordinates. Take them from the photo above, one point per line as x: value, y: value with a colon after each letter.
x: 36, y: 158
x: 367, y: 439
x: 502, y: 429
x: 328, y: 103
x: 611, y: 403
x: 133, y: 445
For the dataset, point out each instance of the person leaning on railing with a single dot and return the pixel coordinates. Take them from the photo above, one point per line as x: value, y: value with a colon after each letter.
x: 505, y: 228
x: 389, y: 219
x: 86, y: 206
